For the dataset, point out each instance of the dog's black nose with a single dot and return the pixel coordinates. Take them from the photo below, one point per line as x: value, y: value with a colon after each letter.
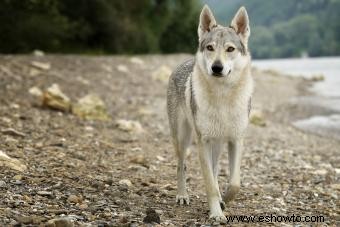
x: 217, y: 67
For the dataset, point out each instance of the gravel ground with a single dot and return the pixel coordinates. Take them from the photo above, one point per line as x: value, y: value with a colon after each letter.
x: 86, y: 172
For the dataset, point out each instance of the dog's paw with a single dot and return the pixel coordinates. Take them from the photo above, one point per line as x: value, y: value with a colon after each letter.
x: 222, y: 205
x: 182, y: 199
x: 231, y: 193
x: 217, y: 219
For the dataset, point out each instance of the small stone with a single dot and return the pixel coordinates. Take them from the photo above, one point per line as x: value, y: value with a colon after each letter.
x: 162, y: 73
x: 2, y: 184
x: 41, y: 65
x: 34, y: 72
x: 38, y: 53
x: 123, y: 219
x: 60, y: 222
x: 320, y: 172
x: 160, y: 158
x: 136, y: 149
x: 129, y: 126
x: 74, y: 199
x: 256, y: 118
x: 17, y: 182
x: 169, y: 187
x: 35, y: 91
x: 151, y: 216
x: 83, y: 206
x: 18, y: 177
x: 136, y: 61
x: 90, y: 107
x: 30, y: 220
x: 44, y: 193
x: 25, y: 220
x: 122, y: 68
x: 159, y: 211
x: 12, y: 132
x: 125, y: 182
x: 140, y: 159
x: 335, y: 187
x: 54, y: 98
x: 11, y: 163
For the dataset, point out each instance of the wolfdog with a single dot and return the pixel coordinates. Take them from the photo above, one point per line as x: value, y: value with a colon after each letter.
x: 210, y: 96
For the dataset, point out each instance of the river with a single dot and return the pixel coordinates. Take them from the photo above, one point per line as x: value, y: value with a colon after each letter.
x: 327, y: 91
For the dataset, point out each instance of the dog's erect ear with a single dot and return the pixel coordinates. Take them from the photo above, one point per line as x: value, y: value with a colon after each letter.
x: 240, y: 23
x: 207, y: 21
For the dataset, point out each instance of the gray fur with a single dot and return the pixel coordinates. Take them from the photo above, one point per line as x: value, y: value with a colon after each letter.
x: 176, y: 90
x: 222, y: 34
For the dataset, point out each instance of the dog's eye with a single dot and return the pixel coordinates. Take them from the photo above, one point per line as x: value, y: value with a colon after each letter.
x: 230, y: 49
x: 210, y: 48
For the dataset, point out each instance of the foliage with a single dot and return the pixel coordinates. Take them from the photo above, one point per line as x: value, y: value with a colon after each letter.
x: 119, y: 26
x: 279, y: 28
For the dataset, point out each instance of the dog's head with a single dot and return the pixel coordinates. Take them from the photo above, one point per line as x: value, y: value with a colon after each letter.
x: 223, y: 51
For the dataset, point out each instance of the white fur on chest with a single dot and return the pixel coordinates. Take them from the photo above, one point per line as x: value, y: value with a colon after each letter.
x: 221, y: 118
x: 221, y: 112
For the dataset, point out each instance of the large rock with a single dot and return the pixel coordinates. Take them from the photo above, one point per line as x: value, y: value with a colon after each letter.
x: 54, y: 98
x: 11, y: 163
x: 90, y: 107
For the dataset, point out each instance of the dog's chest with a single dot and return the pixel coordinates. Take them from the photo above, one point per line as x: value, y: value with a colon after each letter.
x: 217, y: 120
x: 220, y: 116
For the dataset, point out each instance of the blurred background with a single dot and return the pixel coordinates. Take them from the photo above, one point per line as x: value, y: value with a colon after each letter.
x: 280, y: 29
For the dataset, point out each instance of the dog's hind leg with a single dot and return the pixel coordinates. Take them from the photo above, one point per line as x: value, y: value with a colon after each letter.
x: 182, y: 139
x: 235, y: 154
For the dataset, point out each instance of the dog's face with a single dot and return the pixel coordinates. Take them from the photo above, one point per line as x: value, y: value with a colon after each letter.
x: 223, y: 51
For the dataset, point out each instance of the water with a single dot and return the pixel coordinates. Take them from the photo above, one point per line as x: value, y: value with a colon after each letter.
x: 327, y: 91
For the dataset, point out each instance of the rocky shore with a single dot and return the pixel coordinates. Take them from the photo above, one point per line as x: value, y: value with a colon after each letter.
x: 105, y: 157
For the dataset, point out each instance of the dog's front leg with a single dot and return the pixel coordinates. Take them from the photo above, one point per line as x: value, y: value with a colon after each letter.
x: 235, y: 155
x: 205, y: 155
x: 217, y: 147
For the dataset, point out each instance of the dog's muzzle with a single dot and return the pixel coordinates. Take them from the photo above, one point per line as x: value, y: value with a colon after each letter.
x: 217, y: 69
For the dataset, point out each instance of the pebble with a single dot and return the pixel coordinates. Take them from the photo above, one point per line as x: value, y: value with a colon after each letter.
x: 54, y: 98
x: 126, y: 182
x: 137, y: 61
x: 129, y: 126
x: 140, y: 159
x: 162, y: 73
x: 60, y: 222
x: 41, y: 65
x: 18, y: 177
x: 12, y: 132
x: 11, y: 163
x: 44, y: 193
x: 122, y: 68
x: 17, y: 182
x: 2, y: 184
x: 74, y: 199
x: 151, y: 216
x: 83, y: 206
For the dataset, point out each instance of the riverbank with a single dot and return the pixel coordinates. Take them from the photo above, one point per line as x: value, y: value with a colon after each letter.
x: 96, y: 172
